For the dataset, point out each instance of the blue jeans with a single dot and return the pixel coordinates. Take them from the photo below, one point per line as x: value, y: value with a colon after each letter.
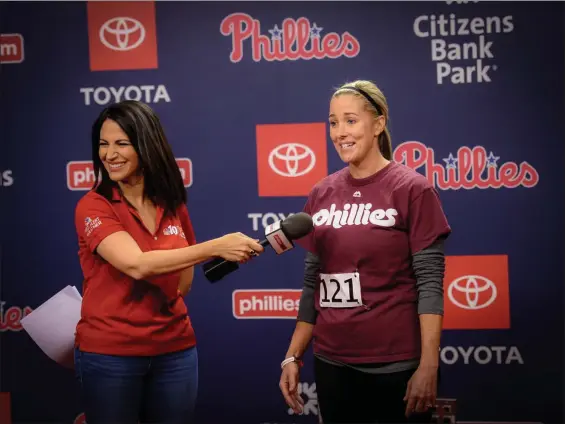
x: 138, y: 389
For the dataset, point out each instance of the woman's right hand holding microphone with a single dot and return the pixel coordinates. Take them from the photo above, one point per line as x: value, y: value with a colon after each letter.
x: 237, y: 247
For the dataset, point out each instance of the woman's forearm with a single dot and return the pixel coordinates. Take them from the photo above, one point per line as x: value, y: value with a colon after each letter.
x: 430, y: 328
x: 121, y: 250
x: 300, y: 339
x: 157, y: 262
x: 306, y: 309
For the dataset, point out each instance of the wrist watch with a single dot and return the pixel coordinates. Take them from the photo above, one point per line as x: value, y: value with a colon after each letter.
x: 290, y: 359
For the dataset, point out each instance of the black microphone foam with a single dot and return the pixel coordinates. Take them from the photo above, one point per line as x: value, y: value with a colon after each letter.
x: 294, y: 227
x: 297, y: 226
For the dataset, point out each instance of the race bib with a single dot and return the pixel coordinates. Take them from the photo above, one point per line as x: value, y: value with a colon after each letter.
x: 340, y: 290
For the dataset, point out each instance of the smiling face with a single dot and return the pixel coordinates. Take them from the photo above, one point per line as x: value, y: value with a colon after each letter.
x: 117, y: 152
x: 353, y: 128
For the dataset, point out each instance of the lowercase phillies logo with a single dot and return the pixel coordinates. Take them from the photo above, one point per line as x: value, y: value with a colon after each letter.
x: 11, y: 48
x: 122, y: 35
x: 10, y: 318
x: 291, y: 158
x: 80, y: 174
x: 476, y: 292
x: 264, y: 304
x: 295, y: 39
x: 185, y: 166
x: 469, y: 168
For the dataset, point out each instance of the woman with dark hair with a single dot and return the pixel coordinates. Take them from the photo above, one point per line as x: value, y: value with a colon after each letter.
x: 135, y: 349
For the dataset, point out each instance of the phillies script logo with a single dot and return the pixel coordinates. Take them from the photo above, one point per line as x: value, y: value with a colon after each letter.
x: 470, y: 168
x: 297, y: 39
x: 10, y: 318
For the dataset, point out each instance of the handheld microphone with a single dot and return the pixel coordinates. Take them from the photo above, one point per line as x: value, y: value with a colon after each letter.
x: 278, y: 235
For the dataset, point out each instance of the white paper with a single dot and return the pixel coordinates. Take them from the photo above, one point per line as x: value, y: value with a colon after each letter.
x: 75, y: 291
x: 52, y: 325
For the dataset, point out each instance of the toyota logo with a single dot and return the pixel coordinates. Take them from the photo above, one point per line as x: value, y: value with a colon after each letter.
x: 472, y: 288
x: 292, y: 159
x: 126, y: 34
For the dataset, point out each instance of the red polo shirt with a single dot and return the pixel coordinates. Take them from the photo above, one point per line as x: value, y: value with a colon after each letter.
x: 120, y: 315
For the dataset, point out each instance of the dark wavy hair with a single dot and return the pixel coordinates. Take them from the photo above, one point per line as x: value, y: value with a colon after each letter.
x: 162, y: 178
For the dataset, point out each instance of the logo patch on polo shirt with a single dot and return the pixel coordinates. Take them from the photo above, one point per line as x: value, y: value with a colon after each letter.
x: 173, y: 230
x: 90, y: 224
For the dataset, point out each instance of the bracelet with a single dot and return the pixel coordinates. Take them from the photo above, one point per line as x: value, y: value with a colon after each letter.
x: 292, y: 359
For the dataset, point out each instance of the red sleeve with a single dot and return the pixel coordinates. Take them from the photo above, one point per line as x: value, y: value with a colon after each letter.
x: 187, y: 225
x: 308, y: 242
x: 427, y: 221
x: 95, y: 220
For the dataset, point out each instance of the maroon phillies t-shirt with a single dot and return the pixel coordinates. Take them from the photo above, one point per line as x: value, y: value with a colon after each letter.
x: 365, y: 231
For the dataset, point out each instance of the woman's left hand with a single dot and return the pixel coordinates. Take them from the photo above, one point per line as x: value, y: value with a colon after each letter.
x: 421, y: 391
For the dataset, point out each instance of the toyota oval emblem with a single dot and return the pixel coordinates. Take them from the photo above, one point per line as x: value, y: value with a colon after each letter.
x: 471, y: 286
x: 126, y: 33
x: 292, y: 159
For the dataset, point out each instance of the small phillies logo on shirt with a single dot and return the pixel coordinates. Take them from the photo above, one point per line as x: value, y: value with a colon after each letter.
x: 173, y: 230
x: 91, y: 224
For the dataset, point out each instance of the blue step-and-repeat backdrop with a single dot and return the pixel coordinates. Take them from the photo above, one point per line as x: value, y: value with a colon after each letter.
x: 477, y: 103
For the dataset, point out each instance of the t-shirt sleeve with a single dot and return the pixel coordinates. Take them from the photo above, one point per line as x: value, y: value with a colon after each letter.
x: 187, y: 225
x: 308, y: 241
x: 427, y: 221
x: 95, y: 220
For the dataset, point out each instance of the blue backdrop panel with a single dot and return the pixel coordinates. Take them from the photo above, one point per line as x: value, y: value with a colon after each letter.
x: 458, y: 76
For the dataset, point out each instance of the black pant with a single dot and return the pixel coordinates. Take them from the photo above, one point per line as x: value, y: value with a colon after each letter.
x: 349, y: 396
